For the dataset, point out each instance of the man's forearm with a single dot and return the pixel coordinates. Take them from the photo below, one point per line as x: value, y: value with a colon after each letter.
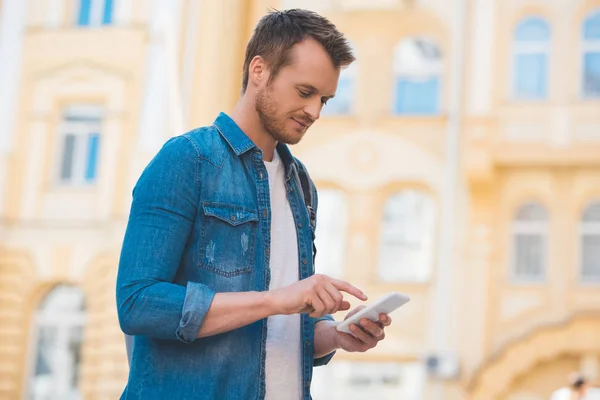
x: 230, y: 311
x: 325, y: 338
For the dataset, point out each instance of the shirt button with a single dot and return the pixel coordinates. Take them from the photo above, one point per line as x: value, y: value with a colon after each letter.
x: 261, y: 175
x: 233, y: 217
x: 308, y: 343
x: 267, y: 251
x: 299, y: 224
x: 304, y: 261
x: 265, y: 213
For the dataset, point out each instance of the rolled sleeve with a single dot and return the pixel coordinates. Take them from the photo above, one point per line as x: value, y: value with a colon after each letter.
x: 198, y: 299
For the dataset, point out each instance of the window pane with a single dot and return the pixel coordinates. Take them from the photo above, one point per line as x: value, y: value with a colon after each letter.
x: 84, y: 12
x: 331, y: 234
x: 63, y: 299
x: 343, y: 380
x: 532, y: 29
x: 108, y: 11
x: 407, y: 237
x: 592, y: 213
x: 591, y: 74
x: 341, y: 104
x: 590, y: 257
x: 418, y: 68
x: 531, y: 75
x: 92, y: 158
x: 43, y: 382
x: 417, y: 54
x: 66, y: 169
x: 532, y: 212
x: 83, y: 122
x: 530, y: 254
x: 417, y: 97
x: 591, y: 26
x: 75, y: 342
x: 59, y: 324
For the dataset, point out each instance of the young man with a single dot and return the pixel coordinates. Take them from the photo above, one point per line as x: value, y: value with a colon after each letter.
x: 216, y: 278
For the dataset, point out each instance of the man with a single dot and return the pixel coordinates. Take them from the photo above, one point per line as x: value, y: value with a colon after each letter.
x: 216, y: 278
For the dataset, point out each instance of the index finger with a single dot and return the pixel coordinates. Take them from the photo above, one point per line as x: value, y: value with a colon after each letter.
x: 348, y: 288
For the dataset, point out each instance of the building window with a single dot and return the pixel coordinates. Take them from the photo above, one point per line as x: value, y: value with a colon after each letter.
x: 530, y: 238
x: 58, y: 335
x: 354, y: 380
x: 95, y: 12
x: 331, y: 234
x: 407, y: 237
x: 530, y: 68
x: 591, y: 55
x: 418, y: 77
x: 590, y: 243
x: 79, y: 145
x: 343, y: 102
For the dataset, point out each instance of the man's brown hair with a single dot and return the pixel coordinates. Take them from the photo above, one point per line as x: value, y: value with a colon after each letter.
x: 277, y: 32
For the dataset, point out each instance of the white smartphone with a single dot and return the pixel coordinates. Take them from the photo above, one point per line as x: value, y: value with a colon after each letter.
x: 384, y: 305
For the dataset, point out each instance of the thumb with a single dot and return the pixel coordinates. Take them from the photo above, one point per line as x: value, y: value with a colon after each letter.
x: 344, y: 306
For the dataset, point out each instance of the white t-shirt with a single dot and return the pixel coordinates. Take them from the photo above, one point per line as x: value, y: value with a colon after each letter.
x: 283, y: 363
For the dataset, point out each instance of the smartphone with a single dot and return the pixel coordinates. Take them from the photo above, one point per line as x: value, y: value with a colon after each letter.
x: 384, y: 305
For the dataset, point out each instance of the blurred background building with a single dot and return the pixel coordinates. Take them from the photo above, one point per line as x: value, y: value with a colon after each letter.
x: 459, y: 163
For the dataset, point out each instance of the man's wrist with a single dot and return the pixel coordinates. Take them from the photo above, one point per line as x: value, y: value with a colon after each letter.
x: 326, y: 334
x: 269, y: 303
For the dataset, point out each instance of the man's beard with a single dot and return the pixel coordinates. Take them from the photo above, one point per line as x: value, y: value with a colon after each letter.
x: 267, y: 112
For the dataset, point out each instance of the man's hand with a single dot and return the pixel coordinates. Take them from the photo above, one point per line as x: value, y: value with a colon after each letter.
x: 317, y: 295
x: 363, y: 337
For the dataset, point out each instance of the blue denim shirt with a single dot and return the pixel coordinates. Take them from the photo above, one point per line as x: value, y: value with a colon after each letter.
x: 200, y: 224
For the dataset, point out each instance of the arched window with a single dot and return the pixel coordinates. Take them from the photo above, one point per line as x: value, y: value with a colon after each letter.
x: 530, y: 241
x: 58, y: 335
x: 332, y: 232
x: 407, y: 237
x: 590, y: 242
x: 418, y: 77
x: 591, y: 55
x: 530, y: 68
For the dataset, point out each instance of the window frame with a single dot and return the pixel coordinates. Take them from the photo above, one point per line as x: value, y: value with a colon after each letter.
x: 530, y: 47
x: 433, y: 71
x: 83, y: 122
x: 541, y: 228
x: 427, y: 238
x: 588, y: 46
x: 591, y: 228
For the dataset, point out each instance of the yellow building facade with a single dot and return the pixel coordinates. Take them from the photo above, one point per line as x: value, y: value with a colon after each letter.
x: 459, y: 163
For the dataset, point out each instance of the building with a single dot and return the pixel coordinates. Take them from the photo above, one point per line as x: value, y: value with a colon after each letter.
x: 459, y: 163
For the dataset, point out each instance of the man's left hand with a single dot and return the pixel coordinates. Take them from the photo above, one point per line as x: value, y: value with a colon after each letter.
x: 364, y: 336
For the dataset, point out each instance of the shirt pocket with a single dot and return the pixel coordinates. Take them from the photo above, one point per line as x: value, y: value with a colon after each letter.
x: 228, y: 239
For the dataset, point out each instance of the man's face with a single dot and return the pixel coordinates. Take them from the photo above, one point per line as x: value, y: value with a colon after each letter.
x: 292, y: 101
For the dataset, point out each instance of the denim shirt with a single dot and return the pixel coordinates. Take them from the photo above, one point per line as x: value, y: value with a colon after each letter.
x: 200, y: 224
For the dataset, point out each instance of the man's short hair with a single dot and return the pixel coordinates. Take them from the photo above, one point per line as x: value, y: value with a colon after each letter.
x: 278, y: 31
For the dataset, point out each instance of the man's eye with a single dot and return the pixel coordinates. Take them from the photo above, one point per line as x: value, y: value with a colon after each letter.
x: 304, y: 94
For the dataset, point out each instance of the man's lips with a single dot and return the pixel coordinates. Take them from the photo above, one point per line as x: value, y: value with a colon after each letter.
x: 302, y: 123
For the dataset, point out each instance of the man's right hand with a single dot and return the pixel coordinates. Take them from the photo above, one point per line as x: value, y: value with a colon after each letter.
x: 317, y: 295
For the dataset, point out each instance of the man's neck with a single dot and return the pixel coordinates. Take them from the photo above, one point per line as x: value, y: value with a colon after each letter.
x: 245, y: 116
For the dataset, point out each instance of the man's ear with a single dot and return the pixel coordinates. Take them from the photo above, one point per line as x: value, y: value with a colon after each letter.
x: 258, y: 72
